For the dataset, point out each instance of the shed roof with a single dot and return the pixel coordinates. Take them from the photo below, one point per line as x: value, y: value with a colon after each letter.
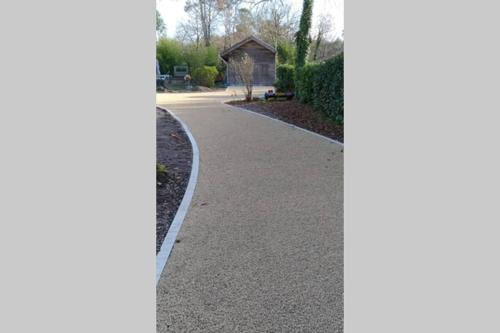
x: 246, y: 40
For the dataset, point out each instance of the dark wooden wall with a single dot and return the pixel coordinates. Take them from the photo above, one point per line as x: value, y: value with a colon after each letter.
x: 265, y: 64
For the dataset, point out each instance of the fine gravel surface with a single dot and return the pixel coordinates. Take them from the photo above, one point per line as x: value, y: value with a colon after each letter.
x: 261, y: 247
x: 173, y: 150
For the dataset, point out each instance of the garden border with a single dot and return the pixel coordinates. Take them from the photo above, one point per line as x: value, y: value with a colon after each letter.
x: 170, y: 237
x: 281, y: 121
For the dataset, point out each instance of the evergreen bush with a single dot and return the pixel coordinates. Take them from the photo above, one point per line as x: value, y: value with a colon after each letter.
x: 205, y: 76
x: 322, y: 86
x: 285, y: 78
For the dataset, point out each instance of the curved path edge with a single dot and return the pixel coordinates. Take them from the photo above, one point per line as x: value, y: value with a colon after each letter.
x: 169, y: 240
x: 225, y: 102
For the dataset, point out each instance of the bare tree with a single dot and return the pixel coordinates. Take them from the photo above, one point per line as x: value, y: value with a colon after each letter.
x: 276, y: 21
x: 244, y: 26
x: 243, y: 66
x: 161, y: 28
x: 190, y: 30
x: 230, y: 18
x: 207, y: 13
x: 330, y: 49
x: 237, y: 21
x: 323, y: 28
x: 228, y: 22
x: 271, y: 20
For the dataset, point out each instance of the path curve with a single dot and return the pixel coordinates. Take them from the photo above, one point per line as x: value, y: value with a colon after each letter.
x: 174, y: 228
x: 261, y: 247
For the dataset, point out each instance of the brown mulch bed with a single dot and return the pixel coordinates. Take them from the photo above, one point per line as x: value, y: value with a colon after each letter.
x: 173, y: 149
x: 298, y: 114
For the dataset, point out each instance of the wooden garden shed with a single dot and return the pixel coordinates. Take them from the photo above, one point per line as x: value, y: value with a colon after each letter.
x: 263, y: 55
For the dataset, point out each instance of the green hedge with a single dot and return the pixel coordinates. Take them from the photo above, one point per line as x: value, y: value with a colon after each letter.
x: 205, y: 76
x: 305, y: 81
x: 169, y: 54
x: 322, y: 86
x: 286, y: 53
x: 285, y: 78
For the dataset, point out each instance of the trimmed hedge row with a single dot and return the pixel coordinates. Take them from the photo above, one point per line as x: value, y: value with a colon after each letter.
x: 285, y: 78
x: 305, y: 82
x: 322, y: 86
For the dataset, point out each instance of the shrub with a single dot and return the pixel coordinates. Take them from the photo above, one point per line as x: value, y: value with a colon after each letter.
x: 169, y: 54
x: 322, y: 86
x: 221, y: 68
x: 205, y: 76
x: 304, y: 82
x: 211, y: 56
x: 199, y: 56
x: 329, y: 88
x: 285, y: 78
x: 194, y: 57
x: 161, y: 168
x: 161, y: 173
x: 286, y: 53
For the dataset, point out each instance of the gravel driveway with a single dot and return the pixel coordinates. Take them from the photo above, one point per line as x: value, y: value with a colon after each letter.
x: 261, y: 248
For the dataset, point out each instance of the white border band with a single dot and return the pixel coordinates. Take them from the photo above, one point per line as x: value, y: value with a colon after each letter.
x: 168, y: 242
